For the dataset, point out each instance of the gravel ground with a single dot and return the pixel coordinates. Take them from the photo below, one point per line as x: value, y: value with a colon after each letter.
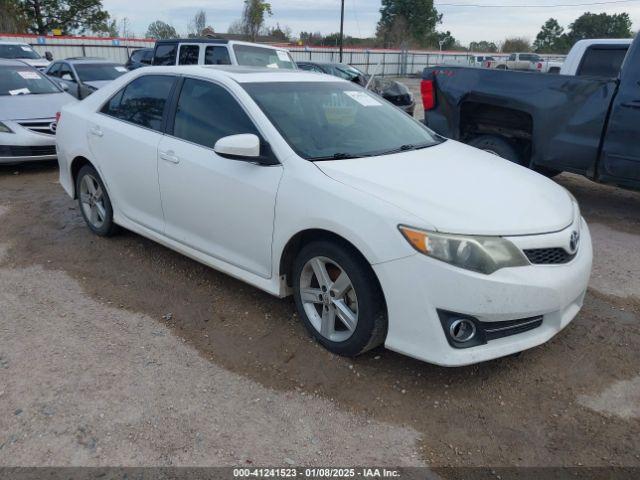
x: 120, y: 352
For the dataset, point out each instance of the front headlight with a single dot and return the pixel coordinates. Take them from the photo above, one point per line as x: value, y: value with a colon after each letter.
x: 477, y: 253
x: 4, y: 128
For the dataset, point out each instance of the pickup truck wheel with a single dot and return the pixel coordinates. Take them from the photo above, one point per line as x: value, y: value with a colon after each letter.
x: 498, y: 146
x: 547, y: 172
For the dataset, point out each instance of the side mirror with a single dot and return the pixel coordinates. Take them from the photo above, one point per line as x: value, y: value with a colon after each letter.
x: 64, y: 86
x: 48, y: 56
x: 67, y: 77
x: 244, y: 147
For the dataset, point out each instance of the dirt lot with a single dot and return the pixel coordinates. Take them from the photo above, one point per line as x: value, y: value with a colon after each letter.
x: 121, y: 352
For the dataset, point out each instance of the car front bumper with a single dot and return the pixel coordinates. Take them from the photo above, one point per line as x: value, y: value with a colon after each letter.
x: 416, y: 287
x: 26, y: 145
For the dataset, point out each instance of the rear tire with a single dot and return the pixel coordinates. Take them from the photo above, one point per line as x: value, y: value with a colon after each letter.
x: 339, y: 298
x: 94, y: 202
x: 498, y: 146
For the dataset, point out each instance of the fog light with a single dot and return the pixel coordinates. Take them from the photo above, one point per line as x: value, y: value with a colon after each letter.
x: 462, y: 330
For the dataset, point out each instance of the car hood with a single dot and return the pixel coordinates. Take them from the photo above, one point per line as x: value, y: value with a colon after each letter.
x: 26, y: 107
x: 459, y: 189
x: 98, y: 83
x: 36, y: 62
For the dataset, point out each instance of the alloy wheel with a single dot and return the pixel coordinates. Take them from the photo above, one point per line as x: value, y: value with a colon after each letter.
x: 329, y: 299
x: 92, y: 201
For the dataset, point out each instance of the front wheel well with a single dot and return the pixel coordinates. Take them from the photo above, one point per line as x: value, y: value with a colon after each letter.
x: 300, y: 239
x: 76, y: 164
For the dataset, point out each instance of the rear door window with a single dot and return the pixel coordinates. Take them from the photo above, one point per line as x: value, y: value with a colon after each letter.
x: 189, y: 54
x: 142, y: 102
x: 602, y: 62
x: 216, y: 55
x: 165, y: 54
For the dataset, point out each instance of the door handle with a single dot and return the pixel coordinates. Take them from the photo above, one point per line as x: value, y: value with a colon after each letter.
x: 169, y: 156
x: 96, y: 131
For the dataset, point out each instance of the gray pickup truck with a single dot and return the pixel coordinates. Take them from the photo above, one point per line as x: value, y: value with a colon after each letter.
x: 588, y: 125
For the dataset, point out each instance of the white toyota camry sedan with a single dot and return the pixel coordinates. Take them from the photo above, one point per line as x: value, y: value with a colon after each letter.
x: 304, y: 184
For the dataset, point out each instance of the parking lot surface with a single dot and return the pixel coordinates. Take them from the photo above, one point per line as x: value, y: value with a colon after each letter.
x: 121, y: 352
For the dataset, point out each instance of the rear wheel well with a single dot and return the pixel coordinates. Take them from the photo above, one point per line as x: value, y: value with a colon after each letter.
x: 76, y: 165
x: 515, y: 126
x: 300, y: 239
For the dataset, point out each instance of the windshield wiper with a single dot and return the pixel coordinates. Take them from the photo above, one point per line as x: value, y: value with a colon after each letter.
x: 337, y: 156
x: 406, y: 148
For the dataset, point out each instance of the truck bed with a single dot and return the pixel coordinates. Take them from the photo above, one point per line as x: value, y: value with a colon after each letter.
x: 559, y: 119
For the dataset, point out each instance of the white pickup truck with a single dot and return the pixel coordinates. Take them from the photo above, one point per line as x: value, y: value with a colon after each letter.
x: 599, y: 57
x: 529, y: 62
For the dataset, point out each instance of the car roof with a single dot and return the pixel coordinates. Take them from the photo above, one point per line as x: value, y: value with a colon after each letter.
x: 217, y: 41
x: 11, y: 62
x: 6, y: 42
x: 244, y: 74
x: 87, y: 60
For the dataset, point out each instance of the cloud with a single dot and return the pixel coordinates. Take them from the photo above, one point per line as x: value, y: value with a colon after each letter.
x: 361, y: 16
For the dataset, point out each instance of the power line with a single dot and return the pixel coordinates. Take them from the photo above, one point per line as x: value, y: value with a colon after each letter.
x: 557, y: 5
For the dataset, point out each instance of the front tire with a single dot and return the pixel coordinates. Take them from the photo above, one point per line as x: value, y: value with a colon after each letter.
x: 338, y: 298
x: 94, y: 202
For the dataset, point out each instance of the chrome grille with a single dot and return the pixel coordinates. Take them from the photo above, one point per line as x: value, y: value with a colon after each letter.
x: 548, y: 256
x: 39, y: 126
x: 495, y: 330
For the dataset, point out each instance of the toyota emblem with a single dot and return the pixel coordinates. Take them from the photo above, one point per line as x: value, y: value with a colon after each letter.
x: 53, y: 126
x: 573, y: 241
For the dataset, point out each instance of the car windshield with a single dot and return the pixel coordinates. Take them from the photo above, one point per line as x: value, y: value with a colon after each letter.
x: 18, y: 51
x: 251, y: 56
x: 348, y: 72
x: 92, y: 72
x: 24, y: 81
x: 338, y: 120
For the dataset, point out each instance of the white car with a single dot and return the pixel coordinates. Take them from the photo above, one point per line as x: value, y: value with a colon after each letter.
x: 305, y: 184
x: 24, y: 52
x: 29, y: 102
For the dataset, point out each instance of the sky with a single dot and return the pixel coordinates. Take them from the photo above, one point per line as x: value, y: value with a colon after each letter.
x: 505, y: 18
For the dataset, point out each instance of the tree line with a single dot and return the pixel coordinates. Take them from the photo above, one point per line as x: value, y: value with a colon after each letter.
x: 402, y: 24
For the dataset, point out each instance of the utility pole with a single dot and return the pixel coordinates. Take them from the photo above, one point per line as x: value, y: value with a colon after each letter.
x: 341, y: 28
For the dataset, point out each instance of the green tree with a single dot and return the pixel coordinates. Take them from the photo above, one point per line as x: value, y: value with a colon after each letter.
x: 161, y: 31
x: 551, y: 38
x: 254, y: 16
x: 70, y: 16
x: 483, y: 46
x: 516, y: 44
x: 600, y: 25
x: 407, y: 21
x: 12, y: 19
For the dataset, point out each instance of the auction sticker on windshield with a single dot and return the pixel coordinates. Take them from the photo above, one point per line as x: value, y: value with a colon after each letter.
x: 29, y: 75
x: 282, y: 56
x: 363, y: 99
x: 121, y: 69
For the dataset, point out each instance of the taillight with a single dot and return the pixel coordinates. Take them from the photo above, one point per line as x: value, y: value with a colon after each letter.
x: 58, y: 115
x: 539, y: 66
x: 428, y: 94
